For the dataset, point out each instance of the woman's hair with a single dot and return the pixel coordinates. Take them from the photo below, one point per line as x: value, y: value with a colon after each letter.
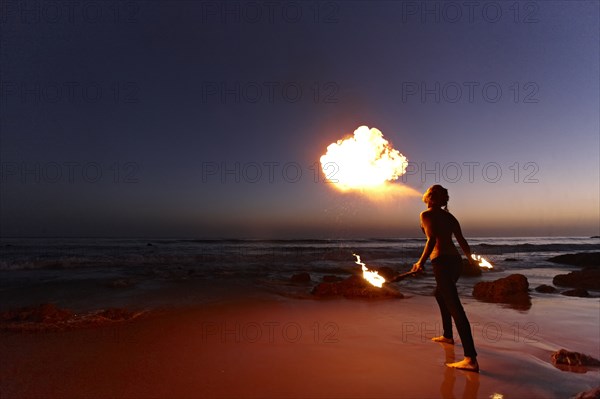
x: 437, y: 195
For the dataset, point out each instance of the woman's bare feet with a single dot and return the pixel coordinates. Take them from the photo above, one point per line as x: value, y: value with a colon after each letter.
x: 443, y: 340
x: 468, y: 364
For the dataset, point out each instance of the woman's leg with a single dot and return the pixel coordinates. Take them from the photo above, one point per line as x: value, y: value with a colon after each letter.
x: 446, y: 316
x: 446, y: 276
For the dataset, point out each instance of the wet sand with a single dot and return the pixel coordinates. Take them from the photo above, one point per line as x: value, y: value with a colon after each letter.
x: 291, y: 348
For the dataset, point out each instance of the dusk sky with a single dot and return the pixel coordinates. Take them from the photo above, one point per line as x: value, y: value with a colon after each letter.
x: 207, y: 119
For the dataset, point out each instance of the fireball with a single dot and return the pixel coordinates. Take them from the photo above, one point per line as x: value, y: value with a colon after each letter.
x: 363, y: 161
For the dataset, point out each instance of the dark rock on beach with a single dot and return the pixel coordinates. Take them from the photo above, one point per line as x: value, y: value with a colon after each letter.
x: 593, y: 393
x: 44, y: 313
x: 115, y: 314
x: 122, y: 283
x: 386, y: 272
x: 470, y: 269
x: 546, y: 289
x: 300, y: 278
x: 565, y: 357
x: 49, y: 317
x: 331, y: 278
x: 580, y: 292
x: 580, y: 259
x: 355, y: 287
x: 586, y: 278
x: 513, y: 290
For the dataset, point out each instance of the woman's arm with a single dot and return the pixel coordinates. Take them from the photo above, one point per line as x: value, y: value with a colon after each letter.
x: 464, y: 245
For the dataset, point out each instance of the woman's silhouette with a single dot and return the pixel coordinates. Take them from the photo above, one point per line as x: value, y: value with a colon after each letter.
x: 439, y: 225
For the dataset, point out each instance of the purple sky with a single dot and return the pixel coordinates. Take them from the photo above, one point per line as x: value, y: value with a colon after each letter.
x: 207, y: 119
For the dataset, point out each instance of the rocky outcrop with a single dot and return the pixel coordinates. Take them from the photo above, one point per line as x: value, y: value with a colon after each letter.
x: 513, y: 290
x: 580, y: 259
x: 386, y: 272
x: 591, y: 394
x: 546, y: 289
x: 300, y: 278
x: 470, y: 269
x: 122, y: 283
x: 354, y: 287
x: 49, y: 317
x: 565, y: 357
x: 44, y: 313
x: 580, y: 292
x: 586, y: 278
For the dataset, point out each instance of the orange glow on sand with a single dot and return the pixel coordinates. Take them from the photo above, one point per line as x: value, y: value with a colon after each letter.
x: 365, y: 162
x: 372, y: 277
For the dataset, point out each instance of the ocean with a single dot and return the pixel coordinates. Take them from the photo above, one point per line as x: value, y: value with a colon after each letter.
x: 92, y: 273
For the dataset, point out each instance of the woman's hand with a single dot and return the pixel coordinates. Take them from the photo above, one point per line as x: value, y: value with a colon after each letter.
x: 473, y: 263
x: 417, y: 267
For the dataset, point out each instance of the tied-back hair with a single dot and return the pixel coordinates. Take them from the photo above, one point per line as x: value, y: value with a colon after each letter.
x: 437, y: 195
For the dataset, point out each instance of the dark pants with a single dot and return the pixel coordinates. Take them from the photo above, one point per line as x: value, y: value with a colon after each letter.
x: 446, y: 269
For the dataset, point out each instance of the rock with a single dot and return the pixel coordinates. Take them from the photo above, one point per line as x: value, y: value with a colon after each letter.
x: 116, y: 314
x: 44, y: 313
x: 546, y: 289
x: 300, y: 278
x: 586, y: 278
x: 122, y: 283
x: 565, y: 357
x: 513, y: 289
x: 149, y: 244
x: 331, y: 279
x: 591, y: 394
x: 580, y: 259
x: 47, y: 317
x: 580, y: 292
x: 386, y: 272
x: 355, y: 287
x: 510, y: 259
x: 470, y: 269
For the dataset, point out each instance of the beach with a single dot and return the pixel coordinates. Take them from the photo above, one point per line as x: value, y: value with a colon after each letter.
x: 251, y: 337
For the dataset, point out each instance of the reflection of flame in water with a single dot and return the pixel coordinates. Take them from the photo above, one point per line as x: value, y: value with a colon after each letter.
x: 482, y: 261
x: 364, y: 161
x: 372, y: 277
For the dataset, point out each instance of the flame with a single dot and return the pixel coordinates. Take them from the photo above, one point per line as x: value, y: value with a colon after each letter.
x: 372, y: 277
x: 482, y: 261
x: 364, y: 161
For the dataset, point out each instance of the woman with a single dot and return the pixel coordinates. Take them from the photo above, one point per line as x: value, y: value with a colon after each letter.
x: 439, y: 225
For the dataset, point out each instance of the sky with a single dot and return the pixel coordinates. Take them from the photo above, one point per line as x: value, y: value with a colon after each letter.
x: 207, y: 119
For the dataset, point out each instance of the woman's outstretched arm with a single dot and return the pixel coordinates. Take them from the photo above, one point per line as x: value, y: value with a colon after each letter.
x: 464, y: 245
